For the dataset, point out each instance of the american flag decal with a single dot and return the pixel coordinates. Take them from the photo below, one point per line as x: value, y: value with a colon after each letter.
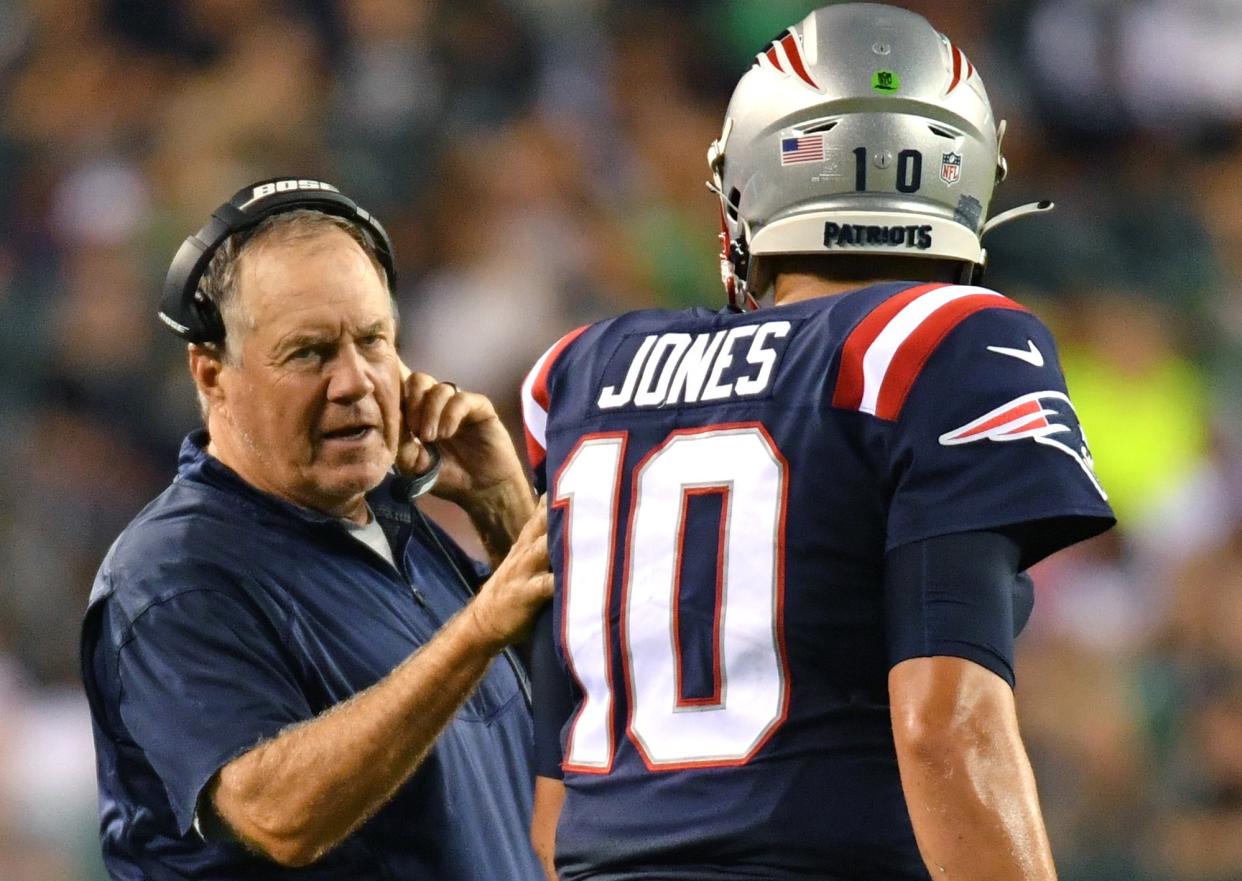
x: 807, y: 148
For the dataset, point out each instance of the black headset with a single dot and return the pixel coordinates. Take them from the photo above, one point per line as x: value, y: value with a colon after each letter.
x: 195, y: 319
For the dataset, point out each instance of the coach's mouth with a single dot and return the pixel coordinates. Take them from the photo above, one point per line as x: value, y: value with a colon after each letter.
x: 349, y: 433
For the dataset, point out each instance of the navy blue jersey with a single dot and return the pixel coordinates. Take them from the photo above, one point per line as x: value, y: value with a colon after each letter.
x: 724, y: 489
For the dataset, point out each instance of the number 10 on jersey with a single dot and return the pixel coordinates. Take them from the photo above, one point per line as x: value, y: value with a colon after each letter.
x: 751, y: 693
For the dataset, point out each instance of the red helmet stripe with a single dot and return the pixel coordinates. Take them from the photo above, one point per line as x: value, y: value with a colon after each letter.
x: 957, y: 67
x: 789, y: 43
x: 774, y: 58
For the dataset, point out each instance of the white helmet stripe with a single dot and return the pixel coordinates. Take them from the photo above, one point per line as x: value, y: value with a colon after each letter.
x: 810, y: 41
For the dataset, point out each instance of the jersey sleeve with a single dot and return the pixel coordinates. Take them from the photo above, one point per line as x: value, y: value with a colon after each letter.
x: 536, y: 401
x: 958, y: 595
x: 202, y: 680
x: 983, y: 434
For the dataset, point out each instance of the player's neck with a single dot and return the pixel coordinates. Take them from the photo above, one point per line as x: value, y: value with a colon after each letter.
x: 805, y: 277
x: 793, y: 287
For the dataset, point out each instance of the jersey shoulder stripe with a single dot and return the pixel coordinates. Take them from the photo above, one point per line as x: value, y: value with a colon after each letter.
x: 535, y: 399
x: 884, y: 354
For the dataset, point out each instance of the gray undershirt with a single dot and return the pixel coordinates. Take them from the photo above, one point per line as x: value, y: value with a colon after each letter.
x: 372, y: 535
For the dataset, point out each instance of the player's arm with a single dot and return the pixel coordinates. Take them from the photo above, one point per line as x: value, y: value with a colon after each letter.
x: 549, y: 796
x: 965, y: 773
x: 552, y: 693
x: 990, y: 472
x: 553, y: 704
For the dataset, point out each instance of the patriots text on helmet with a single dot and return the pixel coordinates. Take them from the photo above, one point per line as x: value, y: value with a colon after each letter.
x: 682, y: 368
x: 838, y: 235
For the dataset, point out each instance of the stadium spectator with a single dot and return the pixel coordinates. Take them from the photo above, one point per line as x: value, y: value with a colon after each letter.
x: 284, y: 660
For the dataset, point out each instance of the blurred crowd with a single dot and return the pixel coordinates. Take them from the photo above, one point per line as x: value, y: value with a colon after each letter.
x: 540, y: 163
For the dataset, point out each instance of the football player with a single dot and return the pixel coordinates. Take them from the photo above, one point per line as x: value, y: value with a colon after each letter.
x: 788, y: 542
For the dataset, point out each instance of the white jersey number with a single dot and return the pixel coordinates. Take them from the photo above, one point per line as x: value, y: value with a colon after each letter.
x: 751, y: 686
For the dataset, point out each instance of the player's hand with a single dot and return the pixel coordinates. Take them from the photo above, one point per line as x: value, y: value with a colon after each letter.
x: 509, y: 601
x: 478, y: 460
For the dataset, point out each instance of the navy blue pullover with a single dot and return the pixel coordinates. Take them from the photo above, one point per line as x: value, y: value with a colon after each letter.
x: 222, y: 615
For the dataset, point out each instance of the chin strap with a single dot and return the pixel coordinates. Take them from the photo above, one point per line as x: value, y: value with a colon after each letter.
x: 972, y: 273
x: 1014, y: 213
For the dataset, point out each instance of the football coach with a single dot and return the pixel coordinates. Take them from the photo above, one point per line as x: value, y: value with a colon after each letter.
x: 292, y: 673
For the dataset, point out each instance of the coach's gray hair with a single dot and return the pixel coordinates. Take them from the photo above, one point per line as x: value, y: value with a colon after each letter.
x: 219, y: 282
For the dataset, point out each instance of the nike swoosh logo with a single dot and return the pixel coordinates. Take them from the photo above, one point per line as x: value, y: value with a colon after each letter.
x: 1031, y: 356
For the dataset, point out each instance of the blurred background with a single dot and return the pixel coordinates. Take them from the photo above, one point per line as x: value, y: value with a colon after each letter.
x: 540, y: 163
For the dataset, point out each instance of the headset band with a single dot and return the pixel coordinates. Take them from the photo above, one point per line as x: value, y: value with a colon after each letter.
x: 197, y: 321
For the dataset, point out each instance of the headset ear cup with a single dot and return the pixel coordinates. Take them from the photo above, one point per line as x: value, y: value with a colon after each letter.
x: 210, y: 320
x: 181, y: 309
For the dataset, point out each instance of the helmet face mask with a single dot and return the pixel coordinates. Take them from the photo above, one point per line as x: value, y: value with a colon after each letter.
x: 861, y: 130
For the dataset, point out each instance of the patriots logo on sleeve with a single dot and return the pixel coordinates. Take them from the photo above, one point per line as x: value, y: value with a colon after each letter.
x: 1045, y: 417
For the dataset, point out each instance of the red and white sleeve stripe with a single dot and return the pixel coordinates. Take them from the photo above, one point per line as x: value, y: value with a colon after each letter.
x: 535, y: 398
x: 884, y: 354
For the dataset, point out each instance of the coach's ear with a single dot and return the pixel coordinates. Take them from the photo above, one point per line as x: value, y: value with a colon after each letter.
x: 205, y: 364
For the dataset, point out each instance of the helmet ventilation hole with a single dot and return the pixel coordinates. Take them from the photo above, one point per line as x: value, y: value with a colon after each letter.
x: 826, y: 125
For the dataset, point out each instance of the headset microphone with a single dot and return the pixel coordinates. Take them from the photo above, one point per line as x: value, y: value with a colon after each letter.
x: 416, y: 485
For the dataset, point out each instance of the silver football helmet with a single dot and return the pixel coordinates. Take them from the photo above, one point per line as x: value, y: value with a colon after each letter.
x: 861, y: 130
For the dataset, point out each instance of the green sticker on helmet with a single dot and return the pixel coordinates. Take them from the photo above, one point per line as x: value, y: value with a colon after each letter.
x: 885, y: 81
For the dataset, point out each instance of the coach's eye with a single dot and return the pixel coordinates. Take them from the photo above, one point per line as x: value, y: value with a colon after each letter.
x: 306, y: 355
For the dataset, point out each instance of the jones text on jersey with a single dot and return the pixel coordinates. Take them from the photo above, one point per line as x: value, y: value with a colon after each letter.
x: 681, y: 368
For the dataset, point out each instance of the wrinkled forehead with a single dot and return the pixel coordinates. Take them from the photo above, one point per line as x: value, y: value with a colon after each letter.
x: 323, y: 278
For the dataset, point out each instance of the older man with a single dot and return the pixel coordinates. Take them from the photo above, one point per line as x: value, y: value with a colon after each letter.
x: 291, y: 671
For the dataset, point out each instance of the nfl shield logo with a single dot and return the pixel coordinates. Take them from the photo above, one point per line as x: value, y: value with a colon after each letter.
x: 951, y: 168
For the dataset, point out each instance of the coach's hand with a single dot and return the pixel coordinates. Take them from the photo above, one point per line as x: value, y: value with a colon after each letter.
x: 505, y: 609
x: 477, y: 452
x: 480, y: 469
